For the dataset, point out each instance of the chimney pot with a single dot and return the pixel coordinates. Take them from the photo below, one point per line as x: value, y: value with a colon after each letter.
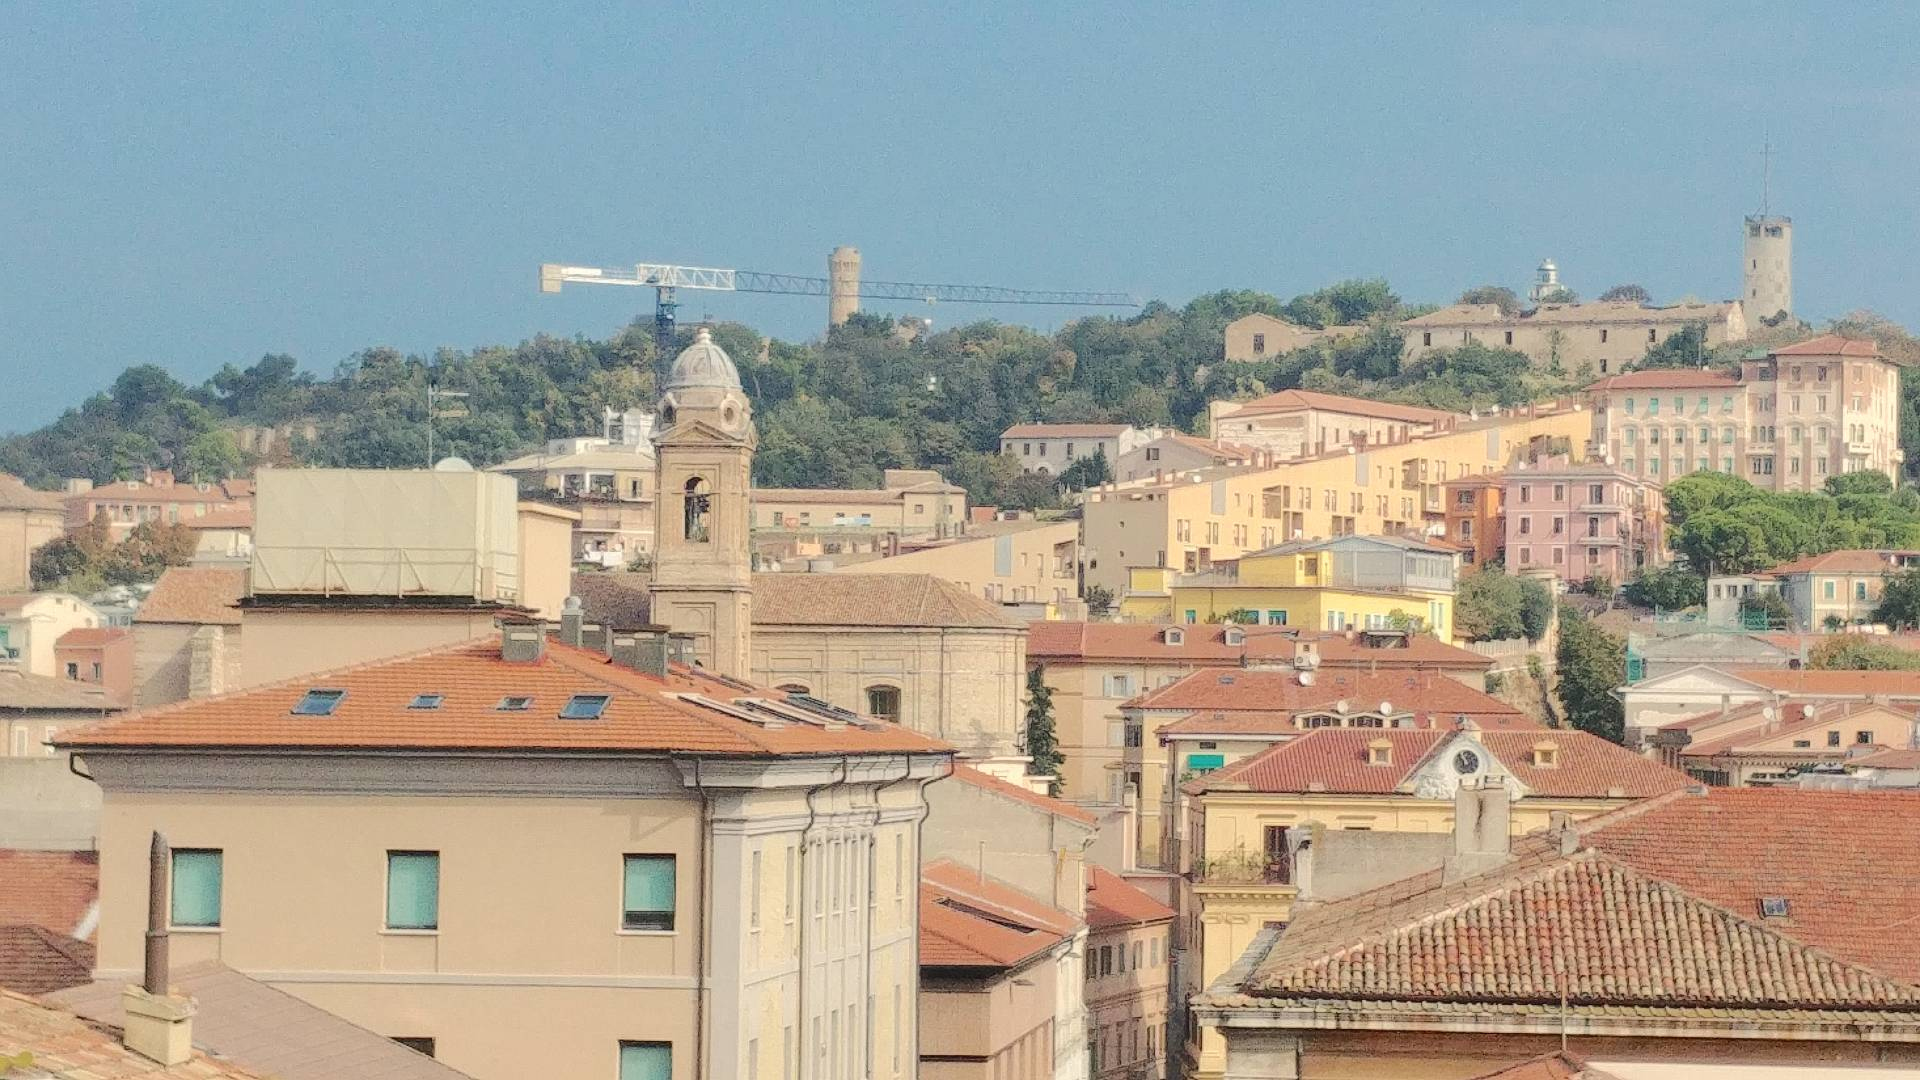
x: 572, y: 622
x: 643, y: 649
x: 522, y: 642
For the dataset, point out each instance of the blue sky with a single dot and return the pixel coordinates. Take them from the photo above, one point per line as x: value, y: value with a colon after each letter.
x: 195, y: 184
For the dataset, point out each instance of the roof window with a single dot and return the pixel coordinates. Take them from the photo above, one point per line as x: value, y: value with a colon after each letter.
x: 425, y: 701
x: 514, y: 704
x: 1775, y: 907
x: 318, y: 702
x: 585, y: 707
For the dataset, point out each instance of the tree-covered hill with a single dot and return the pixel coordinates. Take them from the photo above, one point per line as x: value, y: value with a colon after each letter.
x: 831, y: 413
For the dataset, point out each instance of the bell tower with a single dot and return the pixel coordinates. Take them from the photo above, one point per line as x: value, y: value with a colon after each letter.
x: 703, y: 468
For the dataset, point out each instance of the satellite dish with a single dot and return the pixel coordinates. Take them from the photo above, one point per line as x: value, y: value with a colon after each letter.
x: 453, y: 464
x: 1386, y: 708
x: 1306, y: 678
x: 1341, y: 706
x: 1806, y: 711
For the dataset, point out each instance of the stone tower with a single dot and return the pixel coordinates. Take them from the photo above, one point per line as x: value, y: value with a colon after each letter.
x: 1766, y: 288
x: 703, y: 467
x: 843, y: 285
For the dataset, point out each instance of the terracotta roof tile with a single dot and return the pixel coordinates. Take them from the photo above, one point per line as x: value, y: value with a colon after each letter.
x: 1295, y: 400
x: 1205, y: 644
x: 1749, y: 727
x: 1111, y: 902
x: 856, y: 599
x: 55, y: 890
x: 1830, y: 345
x: 1270, y: 691
x: 25, y: 690
x: 225, y: 517
x: 1670, y: 379
x: 1818, y: 683
x: 970, y: 922
x: 16, y: 495
x: 1335, y: 760
x: 1055, y: 431
x: 1853, y: 560
x: 645, y: 714
x: 1892, y: 758
x: 63, y: 1045
x: 195, y: 594
x: 92, y: 637
x: 35, y: 960
x: 1058, y: 807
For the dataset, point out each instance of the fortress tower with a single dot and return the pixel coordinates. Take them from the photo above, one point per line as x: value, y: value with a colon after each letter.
x: 1766, y: 287
x: 843, y: 289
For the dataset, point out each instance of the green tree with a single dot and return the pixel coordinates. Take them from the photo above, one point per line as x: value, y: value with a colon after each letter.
x: 1042, y: 742
x: 1684, y: 348
x: 1865, y: 482
x: 1243, y: 616
x: 1486, y: 606
x: 1500, y: 296
x: 1099, y: 599
x: 1087, y: 472
x: 1592, y: 664
x: 1669, y: 588
x: 1536, y: 608
x: 1766, y: 610
x: 1899, y: 605
x: 1861, y: 652
x: 1627, y: 294
x: 1560, y: 295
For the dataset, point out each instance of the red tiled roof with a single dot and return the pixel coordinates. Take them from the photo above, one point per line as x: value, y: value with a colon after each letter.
x: 91, y: 637
x: 60, y: 1044
x: 225, y: 517
x: 645, y: 714
x: 1204, y: 644
x: 1669, y: 379
x: 54, y: 890
x: 1851, y: 561
x: 1891, y: 758
x: 1660, y: 904
x: 970, y: 922
x: 1058, y: 807
x: 1816, y: 683
x: 1270, y: 691
x: 1335, y: 760
x: 195, y: 594
x: 1111, y: 902
x: 1292, y: 400
x: 1795, y: 721
x: 16, y: 495
x: 1830, y: 345
x: 35, y: 960
x: 1236, y: 722
x: 1051, y: 431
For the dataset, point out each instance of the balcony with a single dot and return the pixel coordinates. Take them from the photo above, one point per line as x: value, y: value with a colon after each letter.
x: 1242, y: 868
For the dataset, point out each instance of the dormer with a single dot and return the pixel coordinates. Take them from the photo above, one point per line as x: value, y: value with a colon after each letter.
x: 1380, y: 752
x: 1173, y: 635
x: 1234, y: 635
x: 1546, y: 755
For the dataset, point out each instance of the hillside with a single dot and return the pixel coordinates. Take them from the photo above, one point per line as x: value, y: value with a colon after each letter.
x: 831, y: 413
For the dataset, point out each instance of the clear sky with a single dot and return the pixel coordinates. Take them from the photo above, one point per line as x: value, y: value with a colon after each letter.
x: 194, y: 184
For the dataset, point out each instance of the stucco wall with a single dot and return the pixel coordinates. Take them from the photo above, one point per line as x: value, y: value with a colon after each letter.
x: 287, y: 643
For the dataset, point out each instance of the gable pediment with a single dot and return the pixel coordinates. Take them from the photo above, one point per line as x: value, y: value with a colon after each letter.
x: 700, y: 433
x: 1698, y: 679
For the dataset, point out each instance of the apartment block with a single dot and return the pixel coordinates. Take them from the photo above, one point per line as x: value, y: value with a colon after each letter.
x: 1581, y: 522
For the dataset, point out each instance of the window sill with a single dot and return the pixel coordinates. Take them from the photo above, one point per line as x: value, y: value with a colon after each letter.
x: 196, y: 929
x: 626, y: 932
x: 402, y: 931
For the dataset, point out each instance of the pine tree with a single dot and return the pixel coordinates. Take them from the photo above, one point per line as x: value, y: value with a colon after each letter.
x: 1043, y: 742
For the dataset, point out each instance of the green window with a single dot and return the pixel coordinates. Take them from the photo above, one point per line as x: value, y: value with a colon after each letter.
x: 196, y: 887
x: 647, y: 899
x: 413, y: 890
x: 1193, y: 616
x: 646, y: 1061
x: 1203, y: 762
x: 1276, y: 618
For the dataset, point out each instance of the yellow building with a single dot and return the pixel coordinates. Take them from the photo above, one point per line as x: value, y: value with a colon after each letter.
x: 29, y: 520
x: 1374, y: 806
x: 1353, y: 582
x: 662, y: 872
x: 1022, y: 561
x: 1216, y: 515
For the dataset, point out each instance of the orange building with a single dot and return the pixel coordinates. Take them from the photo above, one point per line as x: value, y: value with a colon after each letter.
x: 1476, y: 518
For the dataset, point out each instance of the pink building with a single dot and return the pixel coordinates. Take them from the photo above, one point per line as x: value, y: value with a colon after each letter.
x: 1581, y: 521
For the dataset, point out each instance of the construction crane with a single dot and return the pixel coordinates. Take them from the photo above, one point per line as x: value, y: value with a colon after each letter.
x: 843, y: 288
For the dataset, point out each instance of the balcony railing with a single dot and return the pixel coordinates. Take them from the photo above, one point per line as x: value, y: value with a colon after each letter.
x: 1240, y: 868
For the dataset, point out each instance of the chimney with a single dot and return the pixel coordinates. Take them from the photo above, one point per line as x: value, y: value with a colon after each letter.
x: 1560, y: 828
x: 1482, y: 824
x: 643, y: 649
x: 159, y: 1026
x: 522, y: 642
x: 1300, y: 855
x: 680, y: 649
x: 573, y: 621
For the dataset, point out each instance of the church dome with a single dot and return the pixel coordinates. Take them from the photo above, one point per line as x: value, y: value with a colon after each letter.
x: 703, y: 364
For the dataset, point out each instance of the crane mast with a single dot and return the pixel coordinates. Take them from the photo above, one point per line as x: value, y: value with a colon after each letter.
x: 665, y: 279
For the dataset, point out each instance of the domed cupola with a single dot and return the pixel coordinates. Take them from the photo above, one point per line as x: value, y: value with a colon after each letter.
x: 703, y: 364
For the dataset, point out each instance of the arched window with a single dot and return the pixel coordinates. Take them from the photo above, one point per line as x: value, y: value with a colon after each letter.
x: 793, y: 688
x: 698, y: 498
x: 883, y: 703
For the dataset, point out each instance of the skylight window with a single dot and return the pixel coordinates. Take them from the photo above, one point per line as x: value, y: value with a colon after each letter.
x: 515, y: 704
x: 318, y: 702
x: 425, y: 701
x: 1775, y: 907
x: 585, y: 707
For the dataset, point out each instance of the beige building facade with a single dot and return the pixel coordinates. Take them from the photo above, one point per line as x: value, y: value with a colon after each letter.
x: 186, y: 635
x: 700, y: 887
x: 1602, y: 337
x: 1053, y: 448
x: 31, y: 624
x: 29, y: 519
x: 1786, y: 422
x: 1219, y: 514
x: 1004, y: 562
x: 1294, y: 424
x: 909, y: 502
x: 1263, y: 337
